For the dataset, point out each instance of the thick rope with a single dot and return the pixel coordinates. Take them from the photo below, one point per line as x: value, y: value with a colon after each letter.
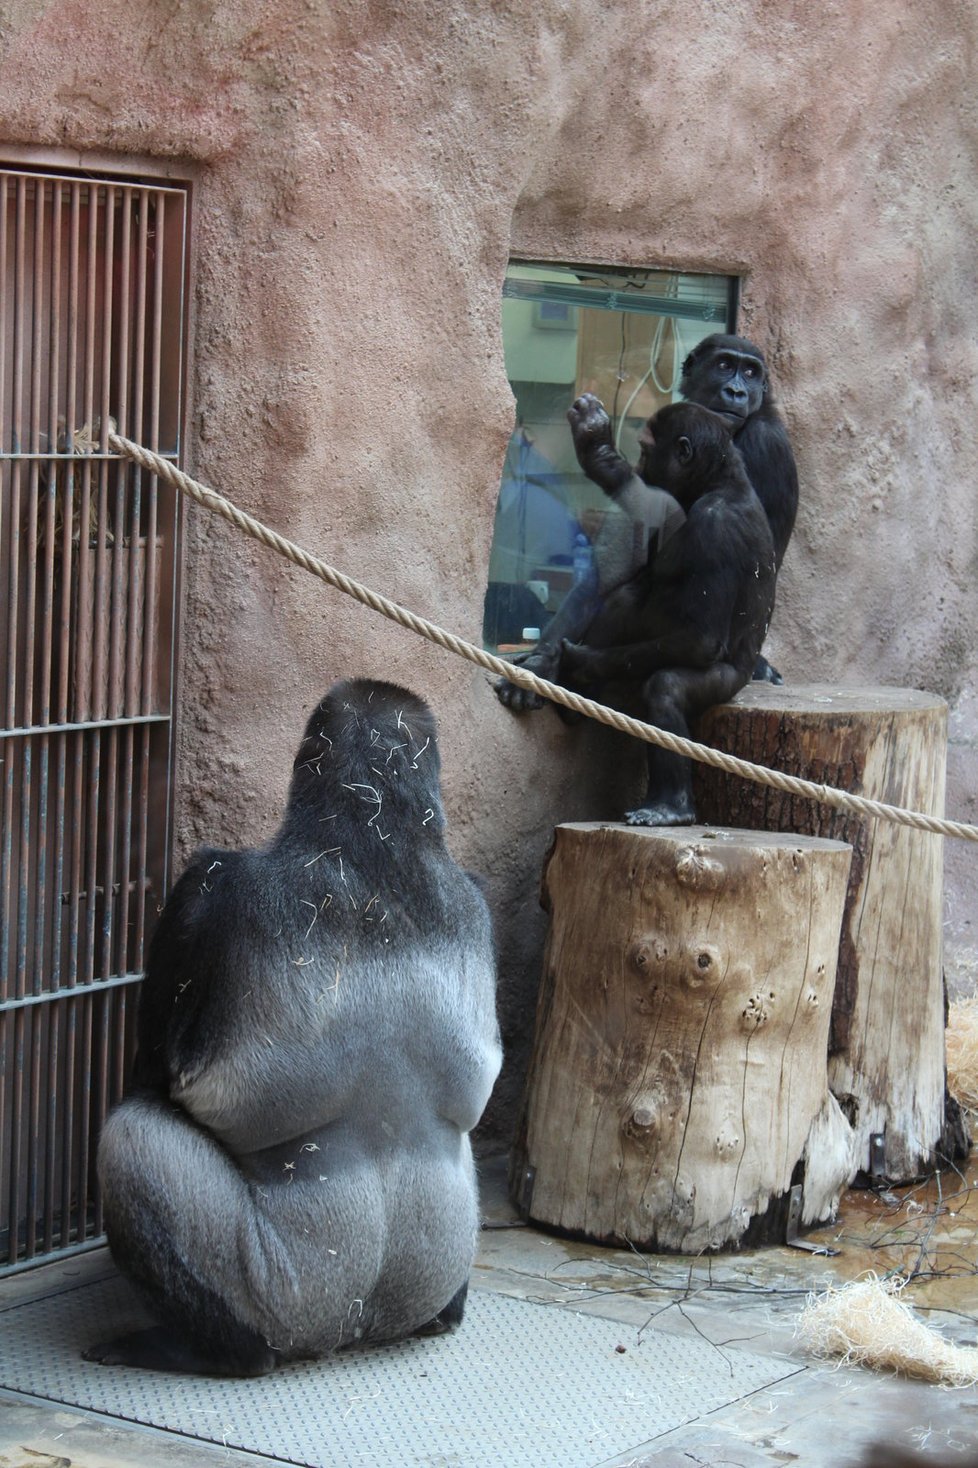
x: 788, y: 784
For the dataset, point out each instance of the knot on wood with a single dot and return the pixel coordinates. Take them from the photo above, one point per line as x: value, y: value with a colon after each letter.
x: 645, y: 957
x: 703, y: 964
x: 697, y: 870
x: 726, y: 1142
x: 757, y: 1011
x: 644, y: 1119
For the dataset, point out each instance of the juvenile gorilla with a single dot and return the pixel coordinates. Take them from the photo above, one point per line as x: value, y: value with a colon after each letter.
x: 685, y: 631
x: 727, y: 374
x: 291, y: 1173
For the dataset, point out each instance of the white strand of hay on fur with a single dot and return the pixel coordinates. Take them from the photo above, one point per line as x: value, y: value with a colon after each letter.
x: 867, y: 1324
x: 962, y: 1051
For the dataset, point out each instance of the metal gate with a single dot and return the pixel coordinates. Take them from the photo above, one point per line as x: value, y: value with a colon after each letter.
x: 92, y: 313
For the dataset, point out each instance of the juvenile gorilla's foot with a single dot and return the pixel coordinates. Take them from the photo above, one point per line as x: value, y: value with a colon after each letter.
x: 663, y: 813
x: 765, y: 673
x: 158, y: 1349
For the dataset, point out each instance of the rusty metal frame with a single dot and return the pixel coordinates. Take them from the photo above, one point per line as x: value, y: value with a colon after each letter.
x: 93, y: 327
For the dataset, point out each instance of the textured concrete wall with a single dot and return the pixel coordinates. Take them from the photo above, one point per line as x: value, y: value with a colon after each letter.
x: 362, y: 173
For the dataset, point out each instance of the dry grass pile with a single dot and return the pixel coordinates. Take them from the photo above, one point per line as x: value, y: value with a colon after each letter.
x: 867, y: 1324
x: 962, y: 1051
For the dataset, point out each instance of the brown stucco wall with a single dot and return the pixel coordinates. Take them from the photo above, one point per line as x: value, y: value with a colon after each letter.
x: 362, y: 173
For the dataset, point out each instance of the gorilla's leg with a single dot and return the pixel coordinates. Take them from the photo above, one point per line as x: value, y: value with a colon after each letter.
x: 176, y: 1210
x: 671, y: 698
x: 448, y: 1318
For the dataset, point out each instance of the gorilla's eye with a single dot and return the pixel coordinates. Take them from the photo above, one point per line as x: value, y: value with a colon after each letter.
x: 724, y: 364
x: 750, y: 370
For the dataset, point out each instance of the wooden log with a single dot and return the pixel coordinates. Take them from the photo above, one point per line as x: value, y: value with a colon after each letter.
x: 678, y: 1087
x: 886, y: 1065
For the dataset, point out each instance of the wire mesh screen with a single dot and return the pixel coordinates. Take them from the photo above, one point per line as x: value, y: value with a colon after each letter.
x: 91, y: 332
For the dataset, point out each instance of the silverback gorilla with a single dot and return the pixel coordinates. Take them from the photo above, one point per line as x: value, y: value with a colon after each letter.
x: 727, y: 374
x: 291, y: 1172
x: 684, y: 632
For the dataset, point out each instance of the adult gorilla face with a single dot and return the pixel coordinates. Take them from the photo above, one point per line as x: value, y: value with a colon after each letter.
x: 728, y: 375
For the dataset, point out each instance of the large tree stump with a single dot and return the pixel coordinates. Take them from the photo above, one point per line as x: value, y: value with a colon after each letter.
x: 886, y: 1065
x: 677, y: 1088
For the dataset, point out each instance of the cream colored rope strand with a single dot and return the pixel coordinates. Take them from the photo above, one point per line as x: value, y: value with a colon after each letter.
x: 789, y: 784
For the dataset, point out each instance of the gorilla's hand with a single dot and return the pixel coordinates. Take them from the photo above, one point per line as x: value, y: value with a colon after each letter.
x: 590, y: 425
x: 522, y: 700
x: 580, y: 663
x: 594, y: 444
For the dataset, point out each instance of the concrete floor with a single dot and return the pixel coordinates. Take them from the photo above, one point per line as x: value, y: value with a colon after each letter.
x: 818, y: 1416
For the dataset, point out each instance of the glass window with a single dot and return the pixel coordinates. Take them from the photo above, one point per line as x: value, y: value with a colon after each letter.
x: 622, y: 334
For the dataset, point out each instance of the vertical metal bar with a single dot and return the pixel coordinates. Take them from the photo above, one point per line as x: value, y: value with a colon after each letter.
x: 49, y: 891
x: 116, y: 309
x: 16, y: 1130
x: 83, y: 640
x: 15, y: 538
x: 70, y: 1122
x: 138, y: 613
x: 149, y: 697
x: 69, y: 858
x: 64, y: 288
x: 152, y: 589
x: 102, y: 332
x: 5, y: 446
x: 6, y: 874
x: 6, y: 590
x: 51, y: 1130
x: 108, y: 602
x: 85, y: 631
x: 68, y: 519
x: 84, y: 1112
x: 36, y: 651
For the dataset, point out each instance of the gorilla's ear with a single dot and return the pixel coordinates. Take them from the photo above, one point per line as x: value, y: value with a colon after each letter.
x: 684, y: 450
x: 688, y: 364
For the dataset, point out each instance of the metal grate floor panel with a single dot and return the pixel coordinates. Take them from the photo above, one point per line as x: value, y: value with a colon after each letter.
x: 518, y: 1383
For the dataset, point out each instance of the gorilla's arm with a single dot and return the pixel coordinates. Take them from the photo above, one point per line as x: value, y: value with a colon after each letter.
x: 601, y: 461
x: 654, y: 510
x: 175, y: 1037
x: 770, y: 463
x: 175, y: 987
x: 682, y: 648
x: 594, y: 445
x: 569, y: 622
x: 684, y: 623
x: 679, y: 612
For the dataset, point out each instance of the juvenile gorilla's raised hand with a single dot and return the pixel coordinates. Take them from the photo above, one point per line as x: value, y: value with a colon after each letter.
x: 589, y: 421
x: 594, y: 444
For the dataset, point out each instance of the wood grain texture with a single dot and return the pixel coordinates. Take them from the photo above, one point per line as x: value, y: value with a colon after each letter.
x: 886, y: 1064
x: 678, y: 1083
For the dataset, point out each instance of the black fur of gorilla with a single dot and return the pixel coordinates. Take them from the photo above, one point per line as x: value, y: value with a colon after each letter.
x: 291, y: 1172
x: 728, y: 375
x: 684, y: 632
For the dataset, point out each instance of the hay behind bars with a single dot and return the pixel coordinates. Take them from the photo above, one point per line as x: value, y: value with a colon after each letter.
x: 962, y: 1051
x: 867, y: 1324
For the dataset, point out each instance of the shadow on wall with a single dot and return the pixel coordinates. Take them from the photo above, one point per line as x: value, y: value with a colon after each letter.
x: 604, y: 770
